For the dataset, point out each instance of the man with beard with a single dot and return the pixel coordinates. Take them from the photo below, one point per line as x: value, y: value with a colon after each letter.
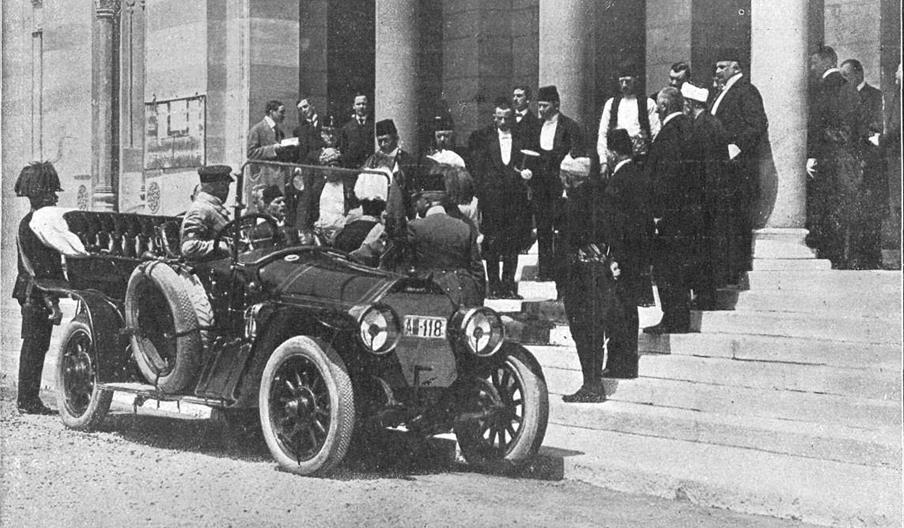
x: 270, y: 201
x: 836, y: 193
x: 628, y: 111
x: 356, y: 139
x: 402, y: 165
x: 502, y: 194
x: 739, y: 107
x: 709, y: 157
x: 676, y: 207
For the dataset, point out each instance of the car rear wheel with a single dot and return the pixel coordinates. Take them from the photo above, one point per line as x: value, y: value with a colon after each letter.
x: 514, y: 403
x: 307, y: 406
x: 81, y: 402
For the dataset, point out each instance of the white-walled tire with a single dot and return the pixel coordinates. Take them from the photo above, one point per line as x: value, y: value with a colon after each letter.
x: 307, y: 406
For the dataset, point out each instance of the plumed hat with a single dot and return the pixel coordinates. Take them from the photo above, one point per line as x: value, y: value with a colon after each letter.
x: 271, y: 192
x: 36, y: 178
x: 386, y: 127
x: 618, y: 141
x: 694, y: 93
x: 370, y: 186
x: 215, y: 173
x: 550, y: 94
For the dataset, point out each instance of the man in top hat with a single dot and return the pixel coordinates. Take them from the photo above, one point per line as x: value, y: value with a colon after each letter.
x: 42, y: 237
x: 558, y: 136
x: 264, y: 144
x: 403, y: 166
x: 709, y: 157
x: 443, y: 142
x: 629, y: 111
x: 443, y: 247
x: 356, y: 138
x: 739, y: 107
x: 676, y: 207
x: 207, y: 215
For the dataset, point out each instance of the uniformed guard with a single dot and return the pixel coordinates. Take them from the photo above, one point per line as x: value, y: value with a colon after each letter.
x: 42, y: 237
x: 442, y: 246
x: 207, y: 214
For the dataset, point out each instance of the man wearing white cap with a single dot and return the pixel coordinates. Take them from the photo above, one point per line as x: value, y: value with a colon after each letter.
x: 363, y: 237
x: 709, y: 155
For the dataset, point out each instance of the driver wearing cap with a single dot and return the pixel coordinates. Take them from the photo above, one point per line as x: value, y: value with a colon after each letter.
x: 207, y: 215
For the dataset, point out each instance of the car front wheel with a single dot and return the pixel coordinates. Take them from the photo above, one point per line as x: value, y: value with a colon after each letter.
x: 307, y: 406
x: 512, y: 405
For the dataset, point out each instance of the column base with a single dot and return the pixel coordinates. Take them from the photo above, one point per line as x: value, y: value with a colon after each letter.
x: 772, y: 243
x: 104, y: 199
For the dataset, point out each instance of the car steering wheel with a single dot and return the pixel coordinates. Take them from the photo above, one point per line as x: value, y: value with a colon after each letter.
x: 252, y: 234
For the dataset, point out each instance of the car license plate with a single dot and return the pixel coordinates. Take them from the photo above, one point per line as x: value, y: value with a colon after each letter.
x: 427, y: 327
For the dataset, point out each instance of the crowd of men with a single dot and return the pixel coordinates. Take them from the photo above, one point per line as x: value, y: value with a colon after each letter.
x: 669, y: 193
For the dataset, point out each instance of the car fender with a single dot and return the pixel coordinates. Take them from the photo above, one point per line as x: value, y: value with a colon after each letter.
x: 111, y: 345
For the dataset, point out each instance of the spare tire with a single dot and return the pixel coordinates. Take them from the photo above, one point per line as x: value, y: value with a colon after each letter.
x: 201, y: 303
x: 166, y: 340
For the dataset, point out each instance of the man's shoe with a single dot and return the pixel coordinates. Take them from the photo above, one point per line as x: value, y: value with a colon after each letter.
x: 586, y: 394
x: 512, y: 293
x: 34, y: 408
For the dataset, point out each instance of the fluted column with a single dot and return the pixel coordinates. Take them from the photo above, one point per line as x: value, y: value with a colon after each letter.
x: 780, y: 37
x: 102, y: 105
x: 396, y: 72
x: 566, y: 53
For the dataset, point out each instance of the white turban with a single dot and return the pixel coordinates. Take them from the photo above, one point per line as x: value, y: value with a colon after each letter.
x: 370, y: 186
x: 694, y: 93
x: 577, y: 166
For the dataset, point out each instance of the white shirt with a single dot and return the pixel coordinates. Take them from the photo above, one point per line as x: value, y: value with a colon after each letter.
x: 731, y: 82
x: 627, y: 118
x: 548, y: 132
x: 519, y: 114
x: 447, y: 157
x: 51, y: 228
x: 270, y: 123
x: 505, y: 145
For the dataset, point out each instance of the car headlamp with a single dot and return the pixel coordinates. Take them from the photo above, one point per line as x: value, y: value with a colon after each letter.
x: 379, y: 329
x: 482, y: 331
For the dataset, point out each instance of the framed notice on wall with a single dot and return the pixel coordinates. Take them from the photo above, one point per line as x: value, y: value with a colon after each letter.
x: 175, y: 132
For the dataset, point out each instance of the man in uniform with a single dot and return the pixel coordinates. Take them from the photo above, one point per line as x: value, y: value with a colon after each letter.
x: 207, y: 215
x: 42, y: 237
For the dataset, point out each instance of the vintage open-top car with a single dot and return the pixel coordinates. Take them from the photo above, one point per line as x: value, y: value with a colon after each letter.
x: 315, y: 346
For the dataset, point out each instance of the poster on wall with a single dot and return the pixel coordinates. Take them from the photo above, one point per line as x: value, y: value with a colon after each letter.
x: 175, y: 133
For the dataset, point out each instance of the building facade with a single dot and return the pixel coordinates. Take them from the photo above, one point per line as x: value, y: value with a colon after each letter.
x: 130, y: 96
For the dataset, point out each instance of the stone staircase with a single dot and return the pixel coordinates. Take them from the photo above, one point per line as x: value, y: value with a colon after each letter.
x: 786, y: 401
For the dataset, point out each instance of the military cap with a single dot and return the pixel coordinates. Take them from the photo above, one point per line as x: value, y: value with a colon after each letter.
x: 386, y: 127
x: 215, y: 173
x: 271, y: 192
x: 619, y: 141
x: 549, y: 94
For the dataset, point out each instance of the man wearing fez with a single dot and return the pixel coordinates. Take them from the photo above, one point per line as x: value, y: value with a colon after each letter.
x: 629, y: 111
x: 739, y: 107
x: 590, y: 276
x: 502, y: 195
x: 558, y: 135
x: 270, y: 201
x: 443, y: 142
x: 43, y: 236
x: 836, y: 194
x: 526, y: 124
x: 444, y: 247
x: 207, y: 215
x: 676, y: 208
x: 403, y: 165
x: 709, y: 157
x: 356, y: 138
x: 264, y: 144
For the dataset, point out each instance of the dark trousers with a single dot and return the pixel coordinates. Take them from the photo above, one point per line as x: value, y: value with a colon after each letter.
x: 591, y: 307
x: 623, y: 331
x: 545, y: 204
x: 509, y: 266
x: 673, y: 274
x: 36, y: 330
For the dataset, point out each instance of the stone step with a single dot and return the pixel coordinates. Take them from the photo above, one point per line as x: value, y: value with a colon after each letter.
x: 537, y: 290
x: 879, y: 301
x: 775, y: 349
x: 872, y: 384
x: 820, y: 326
x: 739, y: 401
x: 829, y: 281
x: 822, y: 492
x: 879, y: 448
x: 791, y: 264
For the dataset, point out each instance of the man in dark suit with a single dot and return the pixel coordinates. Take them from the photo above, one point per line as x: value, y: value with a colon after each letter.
x: 502, y: 195
x: 709, y: 158
x: 526, y: 124
x: 739, y: 107
x: 443, y: 247
x: 308, y: 129
x: 836, y: 192
x: 390, y: 155
x: 867, y: 234
x: 558, y: 135
x: 676, y: 207
x: 264, y: 144
x: 356, y: 139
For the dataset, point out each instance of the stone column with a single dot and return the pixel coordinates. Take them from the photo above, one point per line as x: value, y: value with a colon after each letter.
x: 780, y: 36
x: 102, y: 105
x: 566, y: 53
x: 396, y: 72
